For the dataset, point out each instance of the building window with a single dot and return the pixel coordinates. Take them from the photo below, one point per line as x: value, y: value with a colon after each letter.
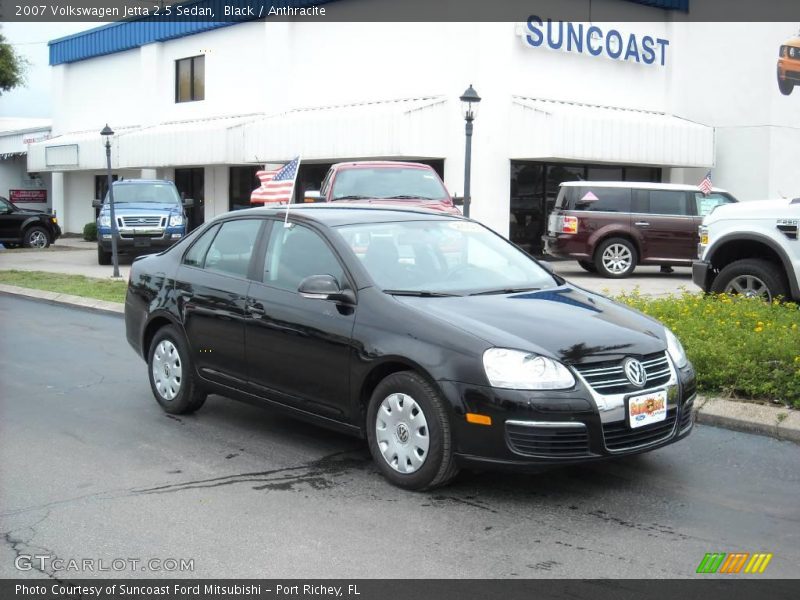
x: 190, y: 79
x: 241, y: 183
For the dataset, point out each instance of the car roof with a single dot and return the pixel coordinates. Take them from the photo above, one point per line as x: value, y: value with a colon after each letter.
x: 332, y: 215
x: 359, y: 164
x: 640, y: 185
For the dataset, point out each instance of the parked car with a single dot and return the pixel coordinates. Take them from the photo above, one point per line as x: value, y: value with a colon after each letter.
x: 385, y: 182
x: 789, y: 66
x: 751, y: 249
x: 26, y: 227
x: 150, y: 217
x: 437, y: 340
x: 609, y: 227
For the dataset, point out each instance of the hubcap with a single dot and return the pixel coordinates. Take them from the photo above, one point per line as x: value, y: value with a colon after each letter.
x: 617, y: 258
x: 38, y: 240
x: 749, y: 286
x: 401, y: 431
x: 167, y: 370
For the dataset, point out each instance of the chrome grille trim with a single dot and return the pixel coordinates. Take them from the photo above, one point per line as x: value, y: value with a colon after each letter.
x: 658, y: 370
x: 141, y: 221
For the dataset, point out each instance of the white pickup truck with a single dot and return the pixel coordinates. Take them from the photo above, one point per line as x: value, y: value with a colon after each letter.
x: 751, y: 248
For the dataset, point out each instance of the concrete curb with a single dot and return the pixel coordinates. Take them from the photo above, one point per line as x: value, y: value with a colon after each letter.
x: 104, y: 306
x: 773, y: 421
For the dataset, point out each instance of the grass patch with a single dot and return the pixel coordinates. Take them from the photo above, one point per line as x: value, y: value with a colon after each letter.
x: 740, y: 347
x: 77, y: 285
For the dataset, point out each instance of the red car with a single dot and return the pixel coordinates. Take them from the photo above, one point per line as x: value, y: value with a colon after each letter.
x: 385, y: 182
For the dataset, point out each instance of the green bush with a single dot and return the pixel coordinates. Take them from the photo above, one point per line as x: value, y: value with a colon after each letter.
x: 740, y: 347
x: 90, y: 232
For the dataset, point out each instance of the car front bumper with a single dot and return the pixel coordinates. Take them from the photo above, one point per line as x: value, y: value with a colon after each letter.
x: 139, y: 242
x: 531, y: 430
x: 701, y: 274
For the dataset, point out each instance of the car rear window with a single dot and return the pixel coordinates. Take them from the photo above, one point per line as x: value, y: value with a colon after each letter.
x: 596, y: 199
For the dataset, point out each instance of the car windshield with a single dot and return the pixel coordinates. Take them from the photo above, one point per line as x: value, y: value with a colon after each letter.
x: 442, y: 257
x: 388, y: 182
x: 162, y: 193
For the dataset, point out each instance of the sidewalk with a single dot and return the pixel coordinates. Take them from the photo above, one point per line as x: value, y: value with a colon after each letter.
x: 773, y: 421
x: 68, y: 255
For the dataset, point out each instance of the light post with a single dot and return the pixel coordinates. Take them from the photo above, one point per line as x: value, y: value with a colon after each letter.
x: 469, y: 108
x: 107, y: 133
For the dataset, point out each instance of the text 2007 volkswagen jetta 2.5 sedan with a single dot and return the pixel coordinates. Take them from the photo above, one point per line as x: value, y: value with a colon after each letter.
x: 431, y: 336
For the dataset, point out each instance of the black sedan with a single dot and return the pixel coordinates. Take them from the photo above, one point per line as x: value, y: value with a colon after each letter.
x: 26, y: 227
x: 429, y: 335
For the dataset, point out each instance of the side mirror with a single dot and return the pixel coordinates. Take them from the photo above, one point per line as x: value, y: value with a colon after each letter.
x: 458, y: 200
x: 188, y: 202
x: 324, y: 287
x: 97, y: 203
x: 312, y: 196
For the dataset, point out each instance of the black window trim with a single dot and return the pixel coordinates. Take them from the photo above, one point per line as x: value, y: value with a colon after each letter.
x: 192, y: 98
x: 252, y: 275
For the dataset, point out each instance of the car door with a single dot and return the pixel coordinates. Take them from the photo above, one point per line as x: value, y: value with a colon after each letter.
x: 10, y: 222
x: 664, y: 221
x: 298, y: 349
x: 211, y: 287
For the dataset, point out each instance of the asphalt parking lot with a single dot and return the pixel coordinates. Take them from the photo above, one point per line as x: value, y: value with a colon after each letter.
x: 90, y: 467
x: 80, y: 258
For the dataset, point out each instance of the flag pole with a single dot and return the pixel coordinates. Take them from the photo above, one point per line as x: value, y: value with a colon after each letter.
x: 286, y: 223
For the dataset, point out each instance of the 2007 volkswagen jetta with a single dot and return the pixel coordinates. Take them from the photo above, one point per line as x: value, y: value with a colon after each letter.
x: 437, y: 340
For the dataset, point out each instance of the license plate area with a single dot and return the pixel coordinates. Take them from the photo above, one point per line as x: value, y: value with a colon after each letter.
x: 141, y: 241
x: 646, y: 409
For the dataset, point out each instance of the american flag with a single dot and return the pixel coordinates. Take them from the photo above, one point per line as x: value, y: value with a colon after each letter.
x: 706, y: 185
x: 277, y: 186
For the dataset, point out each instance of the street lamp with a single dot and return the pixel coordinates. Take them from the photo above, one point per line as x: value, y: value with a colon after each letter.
x: 469, y: 109
x: 107, y: 133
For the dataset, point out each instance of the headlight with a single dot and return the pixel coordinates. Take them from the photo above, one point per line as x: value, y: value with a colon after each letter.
x: 175, y: 220
x: 675, y: 349
x: 105, y: 221
x: 518, y: 370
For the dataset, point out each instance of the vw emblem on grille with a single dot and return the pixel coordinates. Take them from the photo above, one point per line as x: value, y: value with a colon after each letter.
x: 635, y: 372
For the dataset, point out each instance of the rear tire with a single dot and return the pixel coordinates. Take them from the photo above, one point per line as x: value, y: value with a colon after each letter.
x: 171, y: 373
x: 409, y: 435
x: 103, y: 257
x: 785, y: 86
x: 36, y: 237
x: 753, y: 278
x: 616, y: 258
x: 588, y: 266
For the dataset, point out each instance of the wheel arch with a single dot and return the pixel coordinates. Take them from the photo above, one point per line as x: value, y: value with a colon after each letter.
x: 34, y: 222
x: 605, y: 235
x: 751, y: 245
x: 154, y: 323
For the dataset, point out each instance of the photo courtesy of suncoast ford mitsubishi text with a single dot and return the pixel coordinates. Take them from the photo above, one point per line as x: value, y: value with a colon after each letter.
x: 437, y: 340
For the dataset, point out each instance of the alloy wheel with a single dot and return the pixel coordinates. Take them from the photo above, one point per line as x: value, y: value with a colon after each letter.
x: 749, y: 286
x: 38, y: 239
x: 617, y: 258
x: 167, y: 370
x: 401, y: 432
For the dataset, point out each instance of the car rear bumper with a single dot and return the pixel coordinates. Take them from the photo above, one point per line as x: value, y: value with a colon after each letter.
x: 530, y: 430
x: 565, y: 246
x: 701, y: 274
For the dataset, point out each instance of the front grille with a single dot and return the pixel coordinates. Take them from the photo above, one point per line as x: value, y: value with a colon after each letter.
x: 686, y: 413
x: 551, y: 441
x: 608, y: 378
x: 141, y: 221
x: 619, y: 436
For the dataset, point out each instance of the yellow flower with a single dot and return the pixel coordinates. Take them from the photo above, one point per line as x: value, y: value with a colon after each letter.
x: 759, y: 329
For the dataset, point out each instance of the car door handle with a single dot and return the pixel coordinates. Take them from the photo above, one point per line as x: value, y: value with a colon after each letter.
x: 255, y: 309
x: 642, y: 224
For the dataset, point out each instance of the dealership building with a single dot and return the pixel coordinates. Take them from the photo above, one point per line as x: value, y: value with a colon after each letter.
x: 207, y: 104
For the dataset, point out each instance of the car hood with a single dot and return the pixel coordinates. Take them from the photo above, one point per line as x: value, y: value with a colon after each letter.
x: 28, y: 211
x: 566, y: 323
x: 436, y: 205
x: 754, y: 209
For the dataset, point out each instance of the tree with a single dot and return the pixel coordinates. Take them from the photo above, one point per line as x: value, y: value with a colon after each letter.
x: 12, y: 67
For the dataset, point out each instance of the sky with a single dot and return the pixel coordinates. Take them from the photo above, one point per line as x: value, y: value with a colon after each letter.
x: 30, y: 40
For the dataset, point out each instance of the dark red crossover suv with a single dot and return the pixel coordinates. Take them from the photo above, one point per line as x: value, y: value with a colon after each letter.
x: 609, y: 227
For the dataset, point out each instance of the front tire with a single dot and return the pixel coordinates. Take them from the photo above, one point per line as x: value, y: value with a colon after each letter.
x: 616, y: 258
x: 752, y: 278
x: 36, y: 237
x: 103, y: 257
x: 785, y: 86
x: 408, y: 432
x: 171, y: 373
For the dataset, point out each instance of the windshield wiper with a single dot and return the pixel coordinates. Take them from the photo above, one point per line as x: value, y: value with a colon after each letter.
x: 405, y: 197
x: 352, y: 197
x: 507, y: 291
x: 418, y: 293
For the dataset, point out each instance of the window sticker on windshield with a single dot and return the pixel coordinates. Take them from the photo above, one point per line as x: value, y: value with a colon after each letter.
x: 465, y: 226
x: 428, y: 176
x: 589, y: 197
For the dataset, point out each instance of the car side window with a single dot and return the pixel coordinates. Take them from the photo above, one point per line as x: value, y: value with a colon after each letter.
x: 296, y: 252
x: 603, y: 199
x: 232, y: 248
x: 197, y: 253
x: 668, y: 202
x: 5, y: 207
x: 705, y: 204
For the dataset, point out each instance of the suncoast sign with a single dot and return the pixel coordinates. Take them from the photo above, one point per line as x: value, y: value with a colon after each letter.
x: 595, y: 40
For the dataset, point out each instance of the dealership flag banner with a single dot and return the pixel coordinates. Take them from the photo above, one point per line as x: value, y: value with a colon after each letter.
x: 277, y: 186
x: 706, y: 185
